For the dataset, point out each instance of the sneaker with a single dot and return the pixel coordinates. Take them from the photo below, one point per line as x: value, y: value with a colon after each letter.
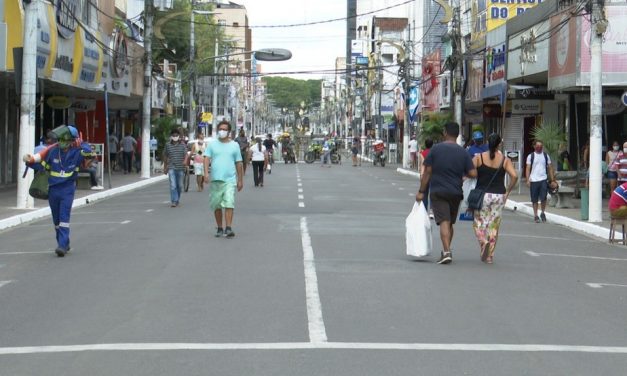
x: 173, y: 205
x: 536, y: 219
x: 446, y: 258
x: 97, y: 188
x: 543, y: 217
x: 60, y: 252
x: 229, y: 232
x: 220, y: 232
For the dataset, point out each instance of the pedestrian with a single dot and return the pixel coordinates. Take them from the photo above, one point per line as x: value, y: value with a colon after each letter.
x: 199, y: 170
x: 243, y: 143
x: 355, y: 150
x: 128, y: 149
x: 91, y: 167
x: 445, y: 166
x: 491, y: 167
x: 326, y: 153
x: 539, y: 174
x: 259, y: 159
x: 114, y: 143
x: 612, y: 159
x: 478, y: 146
x: 62, y: 161
x: 617, y: 204
x: 413, y: 150
x: 424, y: 153
x: 226, y: 175
x: 622, y: 166
x: 174, y: 165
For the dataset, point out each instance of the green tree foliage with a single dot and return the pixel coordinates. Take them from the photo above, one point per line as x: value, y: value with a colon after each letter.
x: 289, y: 92
x: 432, y: 125
x: 162, y: 128
x: 552, y: 136
x: 176, y: 45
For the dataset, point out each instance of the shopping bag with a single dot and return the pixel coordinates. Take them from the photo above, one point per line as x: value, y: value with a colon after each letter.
x: 469, y: 185
x: 418, y: 231
x: 39, y: 186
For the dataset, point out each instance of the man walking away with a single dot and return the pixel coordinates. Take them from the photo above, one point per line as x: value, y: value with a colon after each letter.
x: 243, y: 143
x: 445, y: 167
x: 128, y: 148
x: 539, y: 172
x: 174, y: 165
x: 226, y: 174
x: 413, y: 150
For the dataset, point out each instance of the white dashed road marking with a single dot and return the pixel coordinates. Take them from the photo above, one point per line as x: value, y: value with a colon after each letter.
x: 301, y: 204
x: 600, y: 285
x: 301, y: 197
x: 300, y: 190
x: 317, y: 331
x: 23, y: 253
x: 4, y: 283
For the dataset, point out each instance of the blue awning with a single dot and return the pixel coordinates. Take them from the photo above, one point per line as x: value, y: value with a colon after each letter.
x: 494, y: 91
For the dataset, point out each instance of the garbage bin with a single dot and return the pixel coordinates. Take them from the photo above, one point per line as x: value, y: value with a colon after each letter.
x: 585, y: 195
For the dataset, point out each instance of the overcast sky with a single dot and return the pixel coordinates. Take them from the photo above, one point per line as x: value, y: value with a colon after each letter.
x: 313, y: 47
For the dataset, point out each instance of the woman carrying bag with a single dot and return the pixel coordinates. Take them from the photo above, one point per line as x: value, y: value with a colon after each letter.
x: 491, y: 168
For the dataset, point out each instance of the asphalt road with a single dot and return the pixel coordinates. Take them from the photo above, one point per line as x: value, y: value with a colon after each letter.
x: 316, y: 282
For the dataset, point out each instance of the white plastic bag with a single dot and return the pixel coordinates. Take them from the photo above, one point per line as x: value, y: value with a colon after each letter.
x: 418, y: 232
x: 469, y: 185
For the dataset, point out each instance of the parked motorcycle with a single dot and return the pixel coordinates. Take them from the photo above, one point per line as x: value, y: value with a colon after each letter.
x: 378, y: 155
x: 313, y: 153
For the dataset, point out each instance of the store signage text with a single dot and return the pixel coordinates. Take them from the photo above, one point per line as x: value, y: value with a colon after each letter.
x: 66, y: 13
x: 507, y: 11
x: 495, y: 64
x: 64, y: 63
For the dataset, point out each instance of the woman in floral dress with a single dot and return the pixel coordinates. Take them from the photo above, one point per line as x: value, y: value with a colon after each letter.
x: 491, y: 167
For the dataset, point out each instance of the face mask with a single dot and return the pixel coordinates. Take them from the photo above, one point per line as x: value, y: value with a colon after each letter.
x: 615, y: 147
x: 624, y: 150
x: 174, y: 138
x: 223, y: 133
x: 538, y: 149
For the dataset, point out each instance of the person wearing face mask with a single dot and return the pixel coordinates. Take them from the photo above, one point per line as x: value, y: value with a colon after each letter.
x: 174, y: 165
x: 62, y: 161
x: 227, y: 174
x: 539, y: 174
x: 612, y: 159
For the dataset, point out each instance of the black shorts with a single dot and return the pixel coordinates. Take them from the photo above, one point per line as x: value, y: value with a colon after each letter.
x: 445, y: 206
x: 354, y: 151
x: 538, y: 190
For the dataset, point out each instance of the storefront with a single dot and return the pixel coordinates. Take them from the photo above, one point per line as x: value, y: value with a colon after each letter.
x: 494, y: 93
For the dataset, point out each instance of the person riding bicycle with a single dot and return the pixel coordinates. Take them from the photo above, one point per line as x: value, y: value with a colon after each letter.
x: 269, y: 143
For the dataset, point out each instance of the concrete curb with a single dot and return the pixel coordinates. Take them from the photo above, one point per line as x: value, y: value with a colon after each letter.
x: 20, y: 219
x: 585, y: 227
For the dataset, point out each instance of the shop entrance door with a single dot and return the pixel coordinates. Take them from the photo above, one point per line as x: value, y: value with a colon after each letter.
x: 529, y: 123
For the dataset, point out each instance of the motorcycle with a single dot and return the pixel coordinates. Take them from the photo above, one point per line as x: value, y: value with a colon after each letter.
x: 378, y: 155
x: 313, y: 153
x: 288, y: 154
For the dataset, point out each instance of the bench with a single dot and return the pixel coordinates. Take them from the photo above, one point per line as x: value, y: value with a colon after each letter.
x: 567, y: 181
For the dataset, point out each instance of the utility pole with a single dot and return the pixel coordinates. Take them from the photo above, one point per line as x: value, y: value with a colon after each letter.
x: 214, y: 98
x: 28, y: 99
x: 407, y: 88
x: 598, y: 27
x: 147, y: 105
x: 191, y: 118
x: 457, y: 59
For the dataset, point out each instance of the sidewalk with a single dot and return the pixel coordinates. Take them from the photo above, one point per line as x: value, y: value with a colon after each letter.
x: 10, y: 216
x: 570, y: 218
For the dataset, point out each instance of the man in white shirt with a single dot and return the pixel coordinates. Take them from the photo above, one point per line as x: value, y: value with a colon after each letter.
x: 413, y: 150
x: 539, y: 172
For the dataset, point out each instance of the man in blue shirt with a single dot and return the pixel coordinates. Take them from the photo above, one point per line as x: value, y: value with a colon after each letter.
x: 227, y: 173
x: 478, y: 147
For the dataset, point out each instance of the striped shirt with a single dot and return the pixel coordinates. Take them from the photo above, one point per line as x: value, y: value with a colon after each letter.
x: 175, y: 155
x: 622, y: 168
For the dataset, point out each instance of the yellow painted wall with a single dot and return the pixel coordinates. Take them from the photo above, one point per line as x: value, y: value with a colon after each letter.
x: 14, y: 18
x: 499, y: 12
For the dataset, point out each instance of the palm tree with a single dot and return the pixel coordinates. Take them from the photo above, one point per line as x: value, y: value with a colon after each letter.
x: 552, y: 136
x: 432, y: 125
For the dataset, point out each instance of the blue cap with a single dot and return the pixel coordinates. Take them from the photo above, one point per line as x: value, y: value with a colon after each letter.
x: 477, y: 135
x: 73, y: 131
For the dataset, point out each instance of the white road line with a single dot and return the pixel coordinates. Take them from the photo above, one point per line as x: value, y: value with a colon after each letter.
x: 466, y: 347
x: 411, y: 194
x: 149, y: 210
x: 4, y: 283
x: 125, y: 222
x: 301, y: 204
x: 301, y: 197
x: 23, y: 253
x: 84, y: 223
x: 600, y: 285
x: 300, y: 190
x: 401, y: 189
x: 300, y: 184
x: 393, y: 183
x: 538, y: 254
x: 546, y: 237
x: 317, y: 332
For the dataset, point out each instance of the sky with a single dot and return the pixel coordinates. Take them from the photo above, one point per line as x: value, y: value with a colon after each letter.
x: 313, y: 47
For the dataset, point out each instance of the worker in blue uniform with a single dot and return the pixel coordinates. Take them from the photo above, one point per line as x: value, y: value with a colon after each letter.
x: 62, y: 161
